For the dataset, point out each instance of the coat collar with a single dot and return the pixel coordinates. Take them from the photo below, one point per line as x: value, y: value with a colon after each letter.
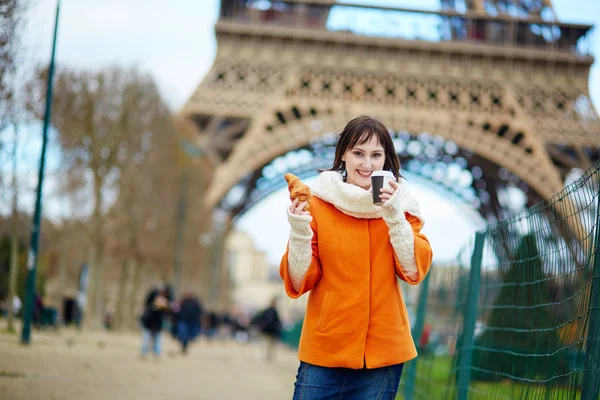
x: 357, y: 202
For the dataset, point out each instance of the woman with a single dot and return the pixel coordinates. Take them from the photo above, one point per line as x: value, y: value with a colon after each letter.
x: 348, y: 252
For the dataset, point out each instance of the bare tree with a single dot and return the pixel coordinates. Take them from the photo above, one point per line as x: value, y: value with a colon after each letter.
x: 103, y: 120
x: 143, y: 212
x: 14, y: 240
x: 72, y: 236
x: 11, y: 19
x: 11, y: 23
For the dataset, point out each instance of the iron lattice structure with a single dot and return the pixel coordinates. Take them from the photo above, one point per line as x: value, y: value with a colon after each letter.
x: 499, y: 88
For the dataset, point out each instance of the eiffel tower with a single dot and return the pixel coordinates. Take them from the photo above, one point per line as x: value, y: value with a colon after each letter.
x: 481, y: 95
x: 503, y: 84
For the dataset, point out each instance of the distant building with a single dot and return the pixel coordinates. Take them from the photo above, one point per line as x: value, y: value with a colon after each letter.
x: 254, y: 282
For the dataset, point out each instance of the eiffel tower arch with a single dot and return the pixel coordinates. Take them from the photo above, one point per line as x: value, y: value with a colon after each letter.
x: 503, y: 82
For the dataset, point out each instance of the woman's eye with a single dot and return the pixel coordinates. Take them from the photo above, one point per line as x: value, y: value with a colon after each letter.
x: 357, y: 153
x: 377, y: 155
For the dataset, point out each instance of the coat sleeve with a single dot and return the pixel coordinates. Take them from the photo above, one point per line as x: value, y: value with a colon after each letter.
x: 302, y: 258
x: 412, y: 251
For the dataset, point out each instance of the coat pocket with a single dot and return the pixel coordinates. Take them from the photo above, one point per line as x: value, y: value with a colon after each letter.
x: 322, y: 321
x: 401, y: 308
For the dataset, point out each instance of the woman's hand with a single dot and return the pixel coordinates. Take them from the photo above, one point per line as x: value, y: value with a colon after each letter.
x: 298, y: 209
x: 388, y: 192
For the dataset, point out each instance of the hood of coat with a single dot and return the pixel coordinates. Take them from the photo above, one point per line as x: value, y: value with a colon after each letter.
x: 358, y: 202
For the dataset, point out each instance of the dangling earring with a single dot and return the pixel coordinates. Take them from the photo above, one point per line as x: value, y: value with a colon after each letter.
x: 343, y: 171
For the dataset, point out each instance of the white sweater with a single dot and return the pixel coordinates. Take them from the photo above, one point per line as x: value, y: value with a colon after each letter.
x: 356, y: 202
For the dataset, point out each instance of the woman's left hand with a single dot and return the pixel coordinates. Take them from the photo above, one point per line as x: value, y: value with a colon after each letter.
x: 387, y: 192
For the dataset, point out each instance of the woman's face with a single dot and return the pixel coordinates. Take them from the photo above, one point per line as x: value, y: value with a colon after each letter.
x: 362, y: 160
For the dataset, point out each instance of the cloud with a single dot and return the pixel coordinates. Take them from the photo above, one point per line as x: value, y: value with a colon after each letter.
x: 174, y: 42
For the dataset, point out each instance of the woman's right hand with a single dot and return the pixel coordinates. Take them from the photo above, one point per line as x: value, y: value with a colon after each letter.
x: 298, y: 209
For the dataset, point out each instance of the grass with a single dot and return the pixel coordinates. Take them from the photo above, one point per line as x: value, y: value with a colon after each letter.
x: 434, y: 382
x: 11, y: 331
x: 11, y: 374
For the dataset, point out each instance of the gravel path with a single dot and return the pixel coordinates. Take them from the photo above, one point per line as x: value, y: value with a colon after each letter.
x: 94, y: 366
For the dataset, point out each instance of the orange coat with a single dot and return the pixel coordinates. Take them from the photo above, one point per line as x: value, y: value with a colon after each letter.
x: 355, y: 315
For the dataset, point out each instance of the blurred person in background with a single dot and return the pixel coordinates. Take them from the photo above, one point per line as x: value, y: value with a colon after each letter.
x: 38, y: 309
x: 156, y: 307
x: 269, y: 324
x: 425, y: 339
x: 16, y: 305
x: 188, y: 319
x: 210, y: 324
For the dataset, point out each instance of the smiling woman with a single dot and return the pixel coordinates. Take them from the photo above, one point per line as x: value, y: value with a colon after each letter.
x: 366, y: 147
x: 362, y: 160
x: 348, y: 252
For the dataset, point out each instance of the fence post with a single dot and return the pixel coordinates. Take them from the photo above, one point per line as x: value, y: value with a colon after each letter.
x: 411, y: 367
x: 591, y: 372
x: 470, y: 318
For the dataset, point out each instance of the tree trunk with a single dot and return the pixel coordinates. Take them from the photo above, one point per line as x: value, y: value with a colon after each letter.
x: 95, y: 305
x: 99, y: 282
x: 135, y: 284
x: 219, y: 272
x: 90, y: 305
x: 12, y: 280
x: 14, y: 242
x: 180, y: 231
x: 121, y: 296
x: 224, y: 299
x: 62, y: 277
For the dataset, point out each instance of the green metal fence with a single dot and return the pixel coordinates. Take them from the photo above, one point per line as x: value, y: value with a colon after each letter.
x: 436, y: 329
x: 522, y: 319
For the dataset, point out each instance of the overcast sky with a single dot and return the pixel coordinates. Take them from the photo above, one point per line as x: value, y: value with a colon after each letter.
x: 175, y: 42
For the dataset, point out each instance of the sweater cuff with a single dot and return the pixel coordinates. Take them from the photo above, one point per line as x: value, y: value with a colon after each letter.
x: 393, y: 209
x: 403, y: 241
x: 401, y: 232
x: 300, y: 248
x: 300, y: 225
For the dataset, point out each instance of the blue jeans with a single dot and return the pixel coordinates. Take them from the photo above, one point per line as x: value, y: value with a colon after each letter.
x: 321, y: 383
x: 150, y: 337
x: 186, y: 332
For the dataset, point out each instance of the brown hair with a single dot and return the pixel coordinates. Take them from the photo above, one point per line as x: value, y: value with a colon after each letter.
x: 359, y: 131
